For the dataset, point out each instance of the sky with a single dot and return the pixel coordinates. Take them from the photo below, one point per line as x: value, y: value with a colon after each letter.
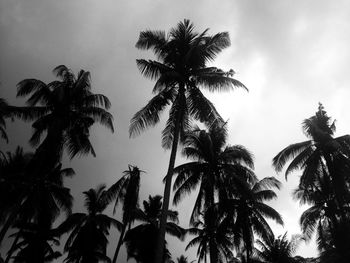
x: 290, y: 54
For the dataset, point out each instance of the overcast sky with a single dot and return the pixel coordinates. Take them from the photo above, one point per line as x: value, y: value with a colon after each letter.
x: 290, y: 54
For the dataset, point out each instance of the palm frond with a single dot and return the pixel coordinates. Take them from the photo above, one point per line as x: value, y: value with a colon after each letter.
x: 149, y: 115
x: 288, y: 153
x: 201, y: 108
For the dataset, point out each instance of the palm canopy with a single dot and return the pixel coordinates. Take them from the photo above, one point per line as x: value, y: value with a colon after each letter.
x: 87, y: 241
x: 321, y: 150
x: 278, y: 250
x: 218, y: 169
x: 65, y: 109
x: 212, y: 235
x: 126, y: 191
x: 141, y: 240
x: 180, y: 70
x: 248, y: 213
x: 35, y: 245
x: 27, y: 198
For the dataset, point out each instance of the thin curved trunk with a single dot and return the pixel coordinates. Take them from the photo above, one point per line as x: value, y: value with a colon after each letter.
x: 167, y: 190
x: 120, y: 242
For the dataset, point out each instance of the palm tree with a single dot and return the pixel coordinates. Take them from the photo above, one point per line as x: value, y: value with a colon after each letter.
x: 27, y: 198
x: 126, y: 190
x: 87, y: 241
x: 248, y: 213
x: 323, y: 153
x: 65, y: 109
x: 141, y: 240
x: 35, y: 244
x: 180, y: 70
x: 213, y: 237
x: 278, y: 250
x: 217, y: 168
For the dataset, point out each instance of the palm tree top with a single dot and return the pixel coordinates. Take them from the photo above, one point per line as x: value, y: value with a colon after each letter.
x: 95, y: 199
x: 319, y: 126
x: 66, y: 106
x: 181, y: 68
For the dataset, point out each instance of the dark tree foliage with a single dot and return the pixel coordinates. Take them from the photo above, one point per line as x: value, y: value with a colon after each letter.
x: 141, y: 241
x: 88, y: 238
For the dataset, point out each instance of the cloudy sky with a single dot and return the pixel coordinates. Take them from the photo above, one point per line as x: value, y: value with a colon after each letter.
x: 290, y: 54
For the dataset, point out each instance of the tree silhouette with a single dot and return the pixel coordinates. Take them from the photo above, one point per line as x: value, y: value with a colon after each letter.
x: 180, y: 70
x: 35, y: 245
x: 248, y: 213
x: 126, y: 190
x: 323, y: 153
x: 212, y: 236
x: 278, y: 250
x: 28, y: 198
x: 87, y: 241
x: 324, y: 183
x: 65, y: 109
x: 217, y: 168
x: 141, y: 241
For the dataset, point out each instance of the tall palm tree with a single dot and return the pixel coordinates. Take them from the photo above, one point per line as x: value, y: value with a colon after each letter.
x: 35, y: 245
x: 88, y: 241
x: 217, y: 168
x: 321, y: 152
x: 29, y: 198
x: 278, y: 250
x: 180, y: 70
x: 126, y: 190
x: 213, y: 237
x: 141, y: 240
x: 65, y: 109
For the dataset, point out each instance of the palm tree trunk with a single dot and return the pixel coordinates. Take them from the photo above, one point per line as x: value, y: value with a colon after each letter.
x: 120, y: 242
x: 212, y: 253
x: 167, y: 190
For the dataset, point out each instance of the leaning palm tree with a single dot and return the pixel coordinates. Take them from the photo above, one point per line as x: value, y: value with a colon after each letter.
x: 141, y: 241
x: 218, y: 169
x: 126, y: 190
x: 64, y: 109
x: 180, y: 70
x: 87, y: 241
x: 278, y: 250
